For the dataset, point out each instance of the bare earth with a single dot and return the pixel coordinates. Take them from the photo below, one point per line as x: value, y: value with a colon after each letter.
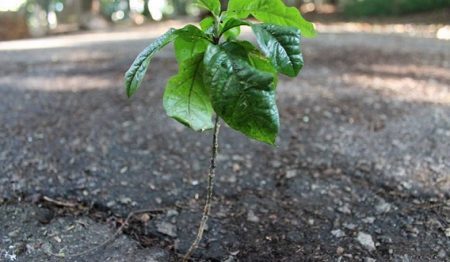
x: 361, y: 171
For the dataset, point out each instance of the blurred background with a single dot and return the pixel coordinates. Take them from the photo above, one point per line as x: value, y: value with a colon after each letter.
x: 361, y: 171
x: 36, y: 18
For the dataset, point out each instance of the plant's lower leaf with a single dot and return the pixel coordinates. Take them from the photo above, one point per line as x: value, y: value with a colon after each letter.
x: 282, y: 45
x: 135, y: 75
x: 186, y: 99
x: 242, y: 95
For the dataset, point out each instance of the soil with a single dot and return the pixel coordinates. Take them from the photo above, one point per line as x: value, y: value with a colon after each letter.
x: 361, y: 171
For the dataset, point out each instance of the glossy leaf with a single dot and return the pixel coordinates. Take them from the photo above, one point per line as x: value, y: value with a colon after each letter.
x: 271, y: 11
x: 190, y: 42
x: 186, y: 99
x: 282, y: 45
x: 135, y: 75
x: 233, y: 23
x: 211, y: 5
x: 253, y: 56
x: 207, y: 23
x: 243, y: 96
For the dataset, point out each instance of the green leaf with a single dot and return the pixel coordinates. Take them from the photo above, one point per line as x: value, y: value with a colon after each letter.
x: 247, y: 51
x: 191, y: 32
x: 243, y: 96
x: 211, y: 5
x: 282, y: 45
x: 207, y: 23
x: 190, y: 42
x: 233, y: 23
x: 135, y: 75
x: 271, y: 11
x: 186, y: 99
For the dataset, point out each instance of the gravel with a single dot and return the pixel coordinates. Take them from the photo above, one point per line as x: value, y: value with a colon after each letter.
x: 363, y: 149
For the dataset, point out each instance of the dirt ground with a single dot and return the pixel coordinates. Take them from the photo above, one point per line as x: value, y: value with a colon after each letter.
x: 361, y: 171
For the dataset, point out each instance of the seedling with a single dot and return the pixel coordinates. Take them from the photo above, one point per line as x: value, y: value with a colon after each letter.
x: 222, y: 77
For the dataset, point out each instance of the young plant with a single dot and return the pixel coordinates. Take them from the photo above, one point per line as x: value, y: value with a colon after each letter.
x: 230, y: 78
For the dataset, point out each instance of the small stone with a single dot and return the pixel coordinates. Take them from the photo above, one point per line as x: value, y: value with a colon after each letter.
x: 158, y: 200
x: 172, y: 213
x: 349, y: 226
x: 369, y: 259
x: 345, y: 209
x: 276, y: 163
x: 366, y: 241
x: 144, y: 218
x: 14, y: 233
x: 368, y: 220
x: 167, y: 229
x: 338, y: 233
x: 124, y: 170
x: 405, y: 258
x: 340, y: 250
x: 383, y: 207
x: 442, y: 254
x: 111, y: 203
x: 291, y: 174
x: 57, y: 239
x: 252, y: 217
x: 125, y: 200
x: 447, y: 232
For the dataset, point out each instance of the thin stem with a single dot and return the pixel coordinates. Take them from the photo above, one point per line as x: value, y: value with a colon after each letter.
x: 211, y: 176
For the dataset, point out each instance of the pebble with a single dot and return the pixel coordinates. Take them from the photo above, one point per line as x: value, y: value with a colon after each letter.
x: 345, y: 209
x: 291, y: 174
x: 167, y: 229
x: 366, y: 241
x: 442, y: 254
x: 338, y: 233
x: 368, y: 220
x: 340, y: 250
x: 383, y: 207
x: 447, y: 232
x: 349, y: 226
x: 369, y: 259
x: 252, y: 217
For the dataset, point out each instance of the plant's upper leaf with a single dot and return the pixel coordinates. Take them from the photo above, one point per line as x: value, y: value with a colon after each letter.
x: 190, y: 41
x: 282, y: 45
x: 242, y: 95
x: 135, y: 75
x: 233, y: 23
x: 211, y: 5
x: 207, y: 23
x: 191, y: 32
x: 272, y: 12
x: 186, y: 99
x: 253, y: 56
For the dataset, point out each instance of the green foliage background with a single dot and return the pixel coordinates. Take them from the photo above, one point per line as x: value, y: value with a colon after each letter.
x: 360, y: 8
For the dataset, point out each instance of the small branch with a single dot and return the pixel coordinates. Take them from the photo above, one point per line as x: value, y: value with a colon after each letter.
x: 211, y: 176
x: 112, y: 238
x: 59, y: 203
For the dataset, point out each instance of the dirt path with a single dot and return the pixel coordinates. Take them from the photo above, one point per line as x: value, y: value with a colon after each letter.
x: 361, y: 172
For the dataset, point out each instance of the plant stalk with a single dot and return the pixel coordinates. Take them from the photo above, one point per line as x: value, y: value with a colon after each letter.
x: 211, y: 176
